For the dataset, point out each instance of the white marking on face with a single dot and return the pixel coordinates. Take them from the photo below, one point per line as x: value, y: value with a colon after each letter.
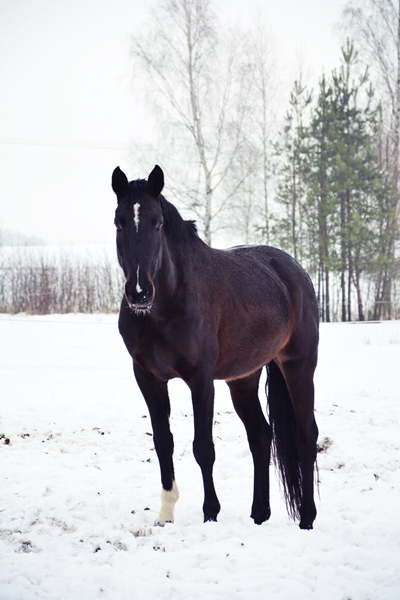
x: 136, y: 208
x: 168, y: 501
x: 138, y: 288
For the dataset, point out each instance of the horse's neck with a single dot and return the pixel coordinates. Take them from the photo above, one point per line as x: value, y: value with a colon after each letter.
x: 167, y: 274
x: 176, y: 271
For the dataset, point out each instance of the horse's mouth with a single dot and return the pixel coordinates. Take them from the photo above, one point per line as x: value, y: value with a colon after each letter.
x: 140, y: 309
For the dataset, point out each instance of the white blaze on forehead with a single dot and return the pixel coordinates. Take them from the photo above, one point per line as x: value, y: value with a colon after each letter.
x: 136, y: 208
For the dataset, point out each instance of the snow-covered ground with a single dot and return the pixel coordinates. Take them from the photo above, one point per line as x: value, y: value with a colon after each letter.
x: 80, y: 480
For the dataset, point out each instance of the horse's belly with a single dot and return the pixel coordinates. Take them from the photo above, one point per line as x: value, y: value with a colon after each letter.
x: 243, y: 357
x: 234, y: 369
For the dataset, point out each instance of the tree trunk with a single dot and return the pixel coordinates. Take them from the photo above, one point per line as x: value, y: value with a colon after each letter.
x: 293, y: 213
x: 197, y: 131
x: 327, y: 307
x: 361, y: 316
x: 265, y: 156
x: 208, y: 210
x: 349, y: 277
x: 343, y: 257
x: 265, y: 188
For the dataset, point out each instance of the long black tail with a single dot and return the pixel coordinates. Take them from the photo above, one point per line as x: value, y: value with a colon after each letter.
x: 283, y: 424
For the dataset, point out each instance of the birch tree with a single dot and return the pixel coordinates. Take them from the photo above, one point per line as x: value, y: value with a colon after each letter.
x: 252, y: 201
x: 197, y: 79
x: 264, y: 116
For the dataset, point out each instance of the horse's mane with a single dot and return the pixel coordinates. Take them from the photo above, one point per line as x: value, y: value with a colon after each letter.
x: 175, y: 226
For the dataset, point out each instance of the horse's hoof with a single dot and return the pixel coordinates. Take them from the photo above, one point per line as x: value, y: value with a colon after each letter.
x: 307, y: 517
x: 160, y: 524
x: 260, y: 517
x: 208, y: 519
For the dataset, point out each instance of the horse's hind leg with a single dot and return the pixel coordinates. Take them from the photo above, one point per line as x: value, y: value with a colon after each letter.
x: 155, y: 393
x: 299, y: 379
x: 245, y: 399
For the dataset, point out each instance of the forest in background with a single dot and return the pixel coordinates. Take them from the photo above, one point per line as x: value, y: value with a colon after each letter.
x: 320, y: 181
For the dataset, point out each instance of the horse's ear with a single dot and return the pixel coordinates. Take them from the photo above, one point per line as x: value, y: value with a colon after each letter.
x: 119, y: 183
x: 156, y: 181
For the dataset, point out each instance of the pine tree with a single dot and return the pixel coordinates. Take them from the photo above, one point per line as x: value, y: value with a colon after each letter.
x: 291, y: 192
x: 321, y: 133
x: 357, y: 184
x: 331, y: 187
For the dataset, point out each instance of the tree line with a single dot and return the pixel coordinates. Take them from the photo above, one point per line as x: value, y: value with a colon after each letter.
x: 335, y: 192
x: 323, y: 184
x: 41, y: 281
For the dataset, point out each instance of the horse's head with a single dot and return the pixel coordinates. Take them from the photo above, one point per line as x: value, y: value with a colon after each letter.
x: 139, y: 220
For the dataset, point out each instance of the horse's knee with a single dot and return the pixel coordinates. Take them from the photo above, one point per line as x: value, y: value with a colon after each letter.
x: 204, y: 453
x: 164, y: 444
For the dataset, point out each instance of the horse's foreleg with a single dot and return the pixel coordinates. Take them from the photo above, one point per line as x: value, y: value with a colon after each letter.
x: 155, y: 393
x: 245, y: 399
x: 202, y: 388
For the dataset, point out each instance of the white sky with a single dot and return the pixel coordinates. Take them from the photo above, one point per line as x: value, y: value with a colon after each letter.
x: 68, y: 110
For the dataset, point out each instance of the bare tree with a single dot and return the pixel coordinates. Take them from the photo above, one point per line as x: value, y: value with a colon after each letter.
x: 375, y: 27
x: 199, y: 82
x: 252, y: 205
x: 265, y: 115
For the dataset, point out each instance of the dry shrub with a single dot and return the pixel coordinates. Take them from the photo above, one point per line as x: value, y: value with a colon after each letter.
x: 44, y: 281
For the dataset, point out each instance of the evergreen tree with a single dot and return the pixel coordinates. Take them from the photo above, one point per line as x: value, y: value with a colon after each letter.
x: 331, y: 187
x: 357, y: 184
x: 289, y: 231
x: 322, y: 214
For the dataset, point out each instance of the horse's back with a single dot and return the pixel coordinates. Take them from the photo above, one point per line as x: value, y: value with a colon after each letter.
x: 273, y: 268
x: 269, y: 300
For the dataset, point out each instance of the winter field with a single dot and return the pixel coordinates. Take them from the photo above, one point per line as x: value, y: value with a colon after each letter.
x: 80, y: 480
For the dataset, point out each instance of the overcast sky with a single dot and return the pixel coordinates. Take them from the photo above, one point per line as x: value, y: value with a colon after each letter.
x: 68, y: 110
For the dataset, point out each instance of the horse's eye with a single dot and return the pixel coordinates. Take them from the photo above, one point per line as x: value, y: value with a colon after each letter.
x: 159, y: 225
x: 118, y: 226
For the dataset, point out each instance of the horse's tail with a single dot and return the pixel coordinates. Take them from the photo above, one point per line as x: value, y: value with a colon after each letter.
x: 283, y: 424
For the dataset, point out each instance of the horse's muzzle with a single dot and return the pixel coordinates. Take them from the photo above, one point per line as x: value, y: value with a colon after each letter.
x: 139, y: 300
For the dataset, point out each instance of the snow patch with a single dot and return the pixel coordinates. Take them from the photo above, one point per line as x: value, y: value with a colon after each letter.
x: 81, y: 478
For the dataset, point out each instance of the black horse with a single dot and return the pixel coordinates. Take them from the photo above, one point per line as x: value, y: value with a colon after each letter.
x: 200, y: 314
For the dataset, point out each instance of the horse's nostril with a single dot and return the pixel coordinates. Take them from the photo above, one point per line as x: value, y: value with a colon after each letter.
x: 138, y: 297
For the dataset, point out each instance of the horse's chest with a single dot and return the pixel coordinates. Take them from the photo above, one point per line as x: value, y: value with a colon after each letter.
x: 164, y: 356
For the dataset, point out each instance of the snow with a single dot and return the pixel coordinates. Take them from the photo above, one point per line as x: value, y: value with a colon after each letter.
x: 80, y: 480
